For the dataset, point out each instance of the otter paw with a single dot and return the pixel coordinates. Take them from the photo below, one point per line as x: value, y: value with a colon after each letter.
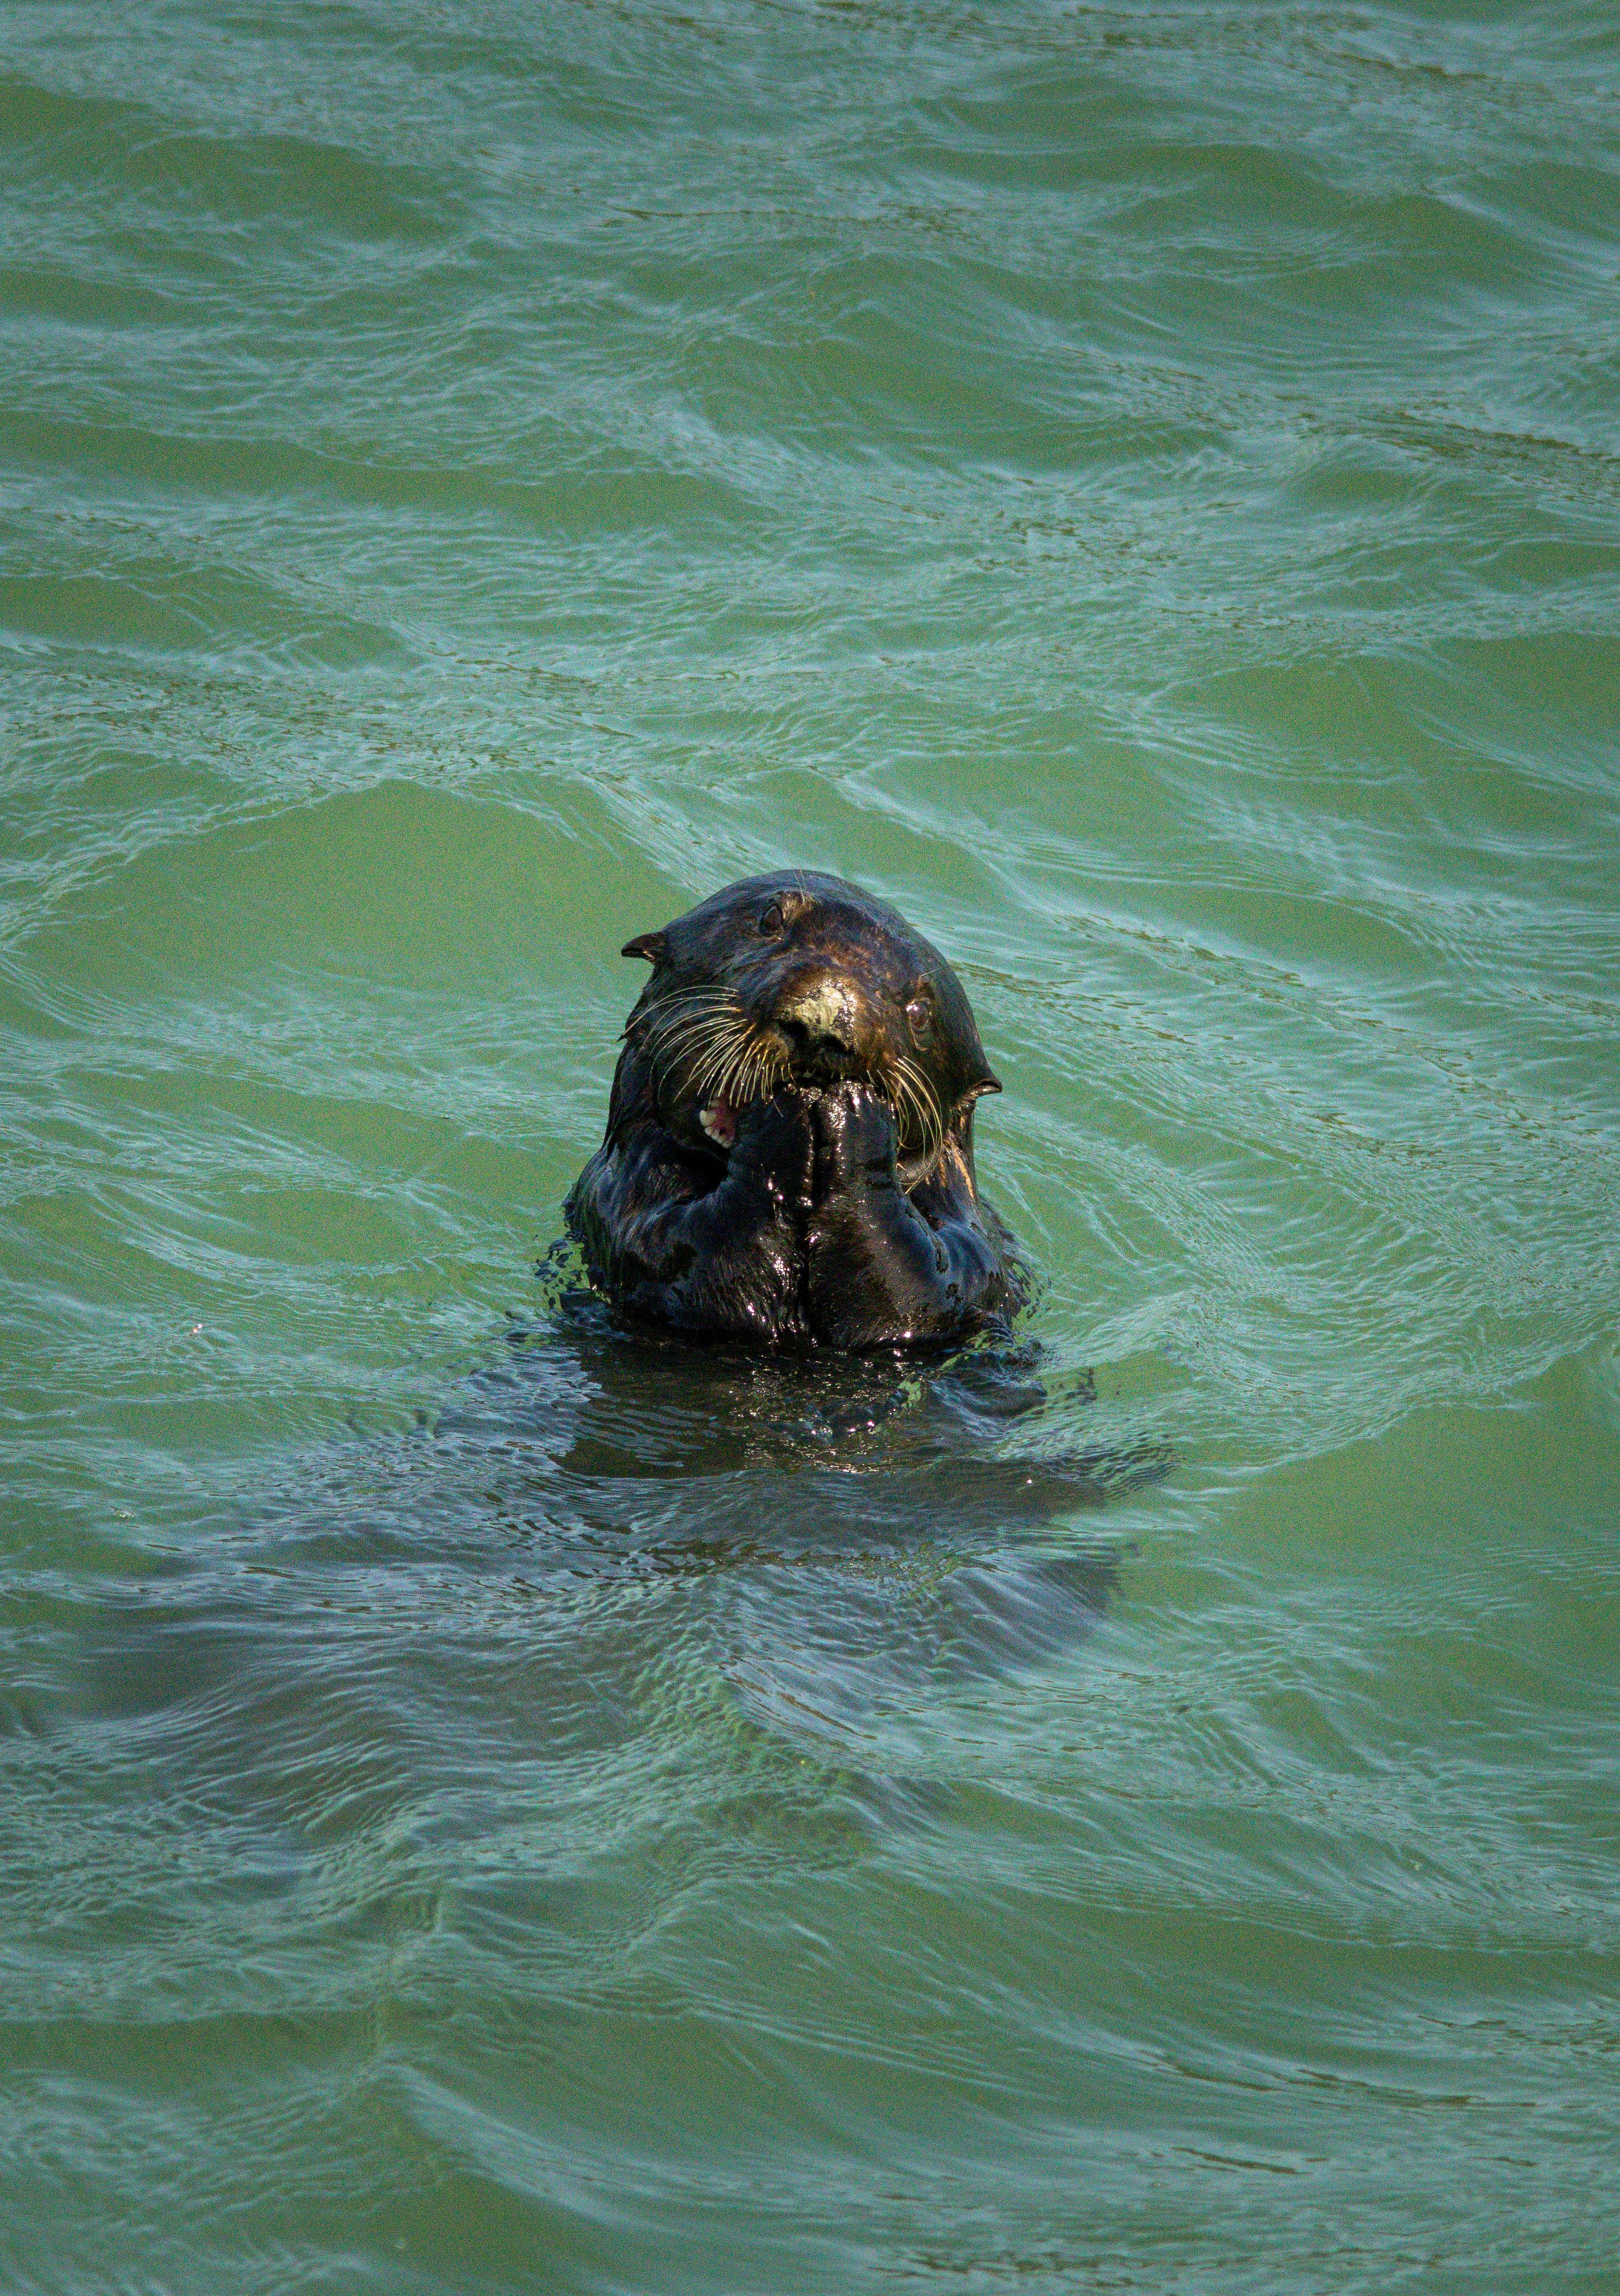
x: 776, y: 1143
x: 855, y: 1141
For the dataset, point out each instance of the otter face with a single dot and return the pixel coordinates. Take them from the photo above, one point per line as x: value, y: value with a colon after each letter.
x: 804, y: 981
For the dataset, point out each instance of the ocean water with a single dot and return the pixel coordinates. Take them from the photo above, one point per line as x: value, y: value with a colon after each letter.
x: 493, y: 1804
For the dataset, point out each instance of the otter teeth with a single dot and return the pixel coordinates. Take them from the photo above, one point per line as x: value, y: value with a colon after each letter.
x: 719, y: 1122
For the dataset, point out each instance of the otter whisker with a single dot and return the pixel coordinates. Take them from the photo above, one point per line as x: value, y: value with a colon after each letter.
x: 707, y: 1073
x: 771, y: 1065
x: 690, y: 1035
x: 911, y: 1120
x: 694, y: 1054
x: 686, y: 1005
x: 691, y: 1022
x: 699, y: 1061
x: 934, y: 1116
x: 765, y: 1062
x: 735, y: 1068
x: 684, y: 1018
x: 694, y: 1008
x: 915, y: 1092
x: 707, y: 1067
x: 721, y: 1087
x: 728, y: 1042
x: 700, y: 992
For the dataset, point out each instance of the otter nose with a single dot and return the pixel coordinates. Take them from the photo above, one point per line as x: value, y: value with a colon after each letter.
x: 820, y: 1020
x: 810, y: 1045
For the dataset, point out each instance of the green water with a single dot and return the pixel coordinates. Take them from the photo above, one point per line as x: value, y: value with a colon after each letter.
x: 1139, y: 487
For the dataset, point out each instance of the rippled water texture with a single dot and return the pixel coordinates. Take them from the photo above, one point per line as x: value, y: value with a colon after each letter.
x: 490, y: 1804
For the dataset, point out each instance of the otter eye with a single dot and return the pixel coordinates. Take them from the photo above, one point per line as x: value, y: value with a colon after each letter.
x: 771, y: 919
x: 920, y: 1012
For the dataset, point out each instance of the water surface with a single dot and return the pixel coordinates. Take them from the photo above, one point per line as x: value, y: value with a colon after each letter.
x: 492, y: 1806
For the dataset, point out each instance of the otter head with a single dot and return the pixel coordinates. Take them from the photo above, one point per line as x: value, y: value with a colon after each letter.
x: 804, y: 981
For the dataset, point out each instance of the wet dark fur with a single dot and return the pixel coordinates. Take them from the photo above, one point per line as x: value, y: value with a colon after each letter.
x: 788, y: 1157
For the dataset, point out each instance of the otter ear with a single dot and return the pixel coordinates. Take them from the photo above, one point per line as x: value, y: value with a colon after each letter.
x: 653, y: 945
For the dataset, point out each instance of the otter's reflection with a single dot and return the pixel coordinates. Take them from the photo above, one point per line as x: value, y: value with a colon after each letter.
x: 623, y: 1580
x: 878, y: 1521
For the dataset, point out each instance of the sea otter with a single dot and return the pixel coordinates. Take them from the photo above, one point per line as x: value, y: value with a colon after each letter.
x: 788, y: 1157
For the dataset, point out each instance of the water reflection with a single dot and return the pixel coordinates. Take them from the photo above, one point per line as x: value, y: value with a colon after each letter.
x: 878, y: 1517
x: 616, y: 1548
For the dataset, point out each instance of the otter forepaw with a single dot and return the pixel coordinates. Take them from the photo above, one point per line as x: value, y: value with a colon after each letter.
x: 776, y: 1143
x: 855, y: 1142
